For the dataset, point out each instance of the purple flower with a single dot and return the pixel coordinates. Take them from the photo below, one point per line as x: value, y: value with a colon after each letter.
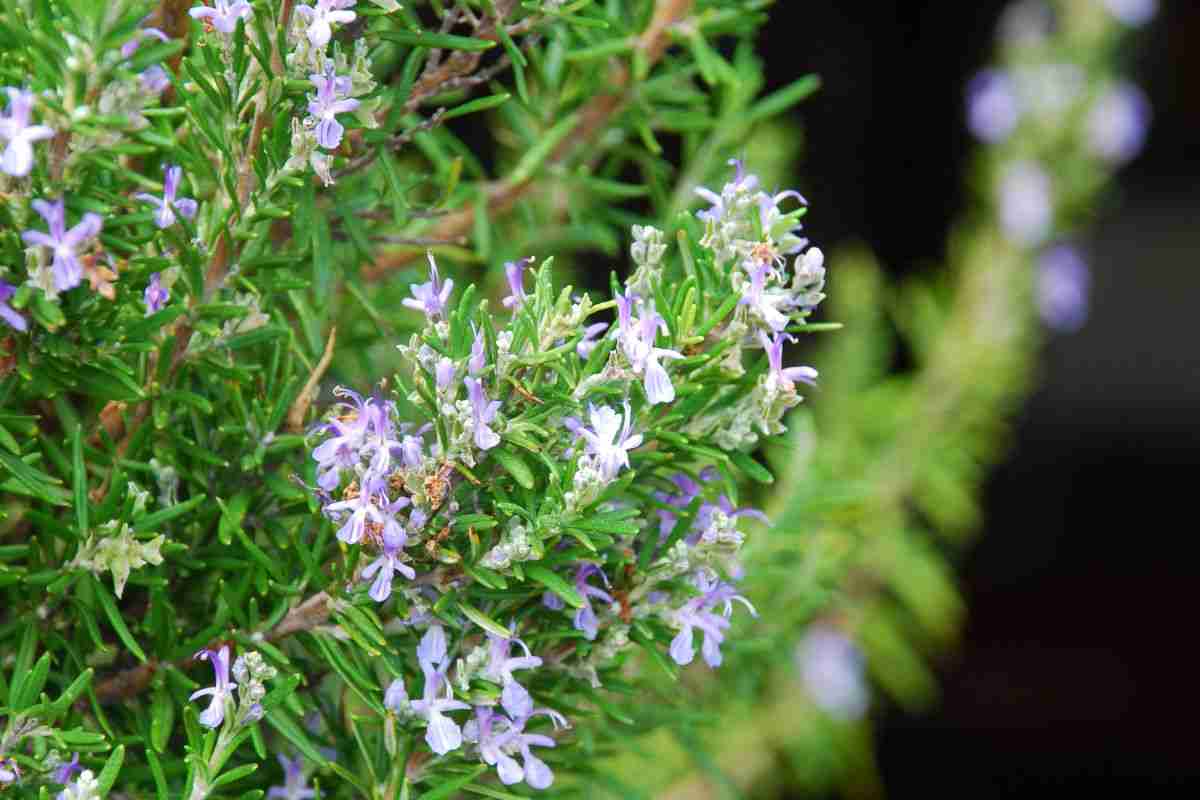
x: 499, y: 738
x: 327, y: 105
x: 609, y: 440
x: 552, y: 601
x: 131, y: 47
x: 66, y: 771
x: 17, y: 158
x: 992, y: 106
x: 588, y: 343
x: 515, y: 272
x: 68, y: 272
x: 478, y: 360
x: 389, y: 561
x: 165, y: 217
x: 156, y: 295
x: 637, y: 340
x: 831, y: 667
x: 7, y: 313
x: 9, y: 771
x: 1117, y: 123
x: 689, y: 490
x: 1132, y: 12
x: 430, y: 298
x: 765, y: 304
x: 222, y: 690
x: 741, y: 182
x: 224, y: 14
x: 585, y: 618
x: 484, y: 411
x: 341, y: 451
x: 442, y: 734
x: 320, y: 17
x: 395, y: 698
x: 365, y: 509
x: 1026, y: 203
x: 1063, y: 281
x: 154, y: 79
x: 500, y: 670
x: 444, y: 373
x: 697, y: 614
x: 779, y: 375
x: 294, y: 786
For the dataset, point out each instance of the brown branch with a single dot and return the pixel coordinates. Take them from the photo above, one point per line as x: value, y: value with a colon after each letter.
x: 593, y: 118
x: 295, y: 417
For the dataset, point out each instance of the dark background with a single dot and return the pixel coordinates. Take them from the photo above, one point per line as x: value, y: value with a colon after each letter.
x: 1076, y: 669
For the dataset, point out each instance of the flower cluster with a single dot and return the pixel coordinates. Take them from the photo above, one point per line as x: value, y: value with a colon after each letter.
x: 250, y: 673
x: 425, y: 497
x: 1043, y: 95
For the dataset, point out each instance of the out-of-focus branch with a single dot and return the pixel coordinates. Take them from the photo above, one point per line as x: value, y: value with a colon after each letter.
x: 594, y: 117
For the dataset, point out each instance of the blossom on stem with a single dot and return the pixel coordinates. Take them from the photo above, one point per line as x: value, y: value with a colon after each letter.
x: 779, y: 376
x: 1132, y: 12
x: 1117, y: 123
x: 609, y: 439
x: 515, y: 272
x: 442, y: 733
x: 1063, y: 281
x: 478, y: 360
x: 327, y: 105
x: 589, y: 341
x: 156, y: 295
x: 17, y: 158
x: 500, y: 738
x: 993, y: 109
x: 341, y: 451
x: 585, y: 618
x: 63, y: 243
x: 66, y: 770
x: 430, y: 297
x: 9, y: 771
x: 169, y: 204
x: 7, y: 312
x: 697, y: 614
x: 221, y: 690
x: 484, y: 411
x: 394, y: 538
x: 364, y: 511
x: 224, y: 14
x: 637, y: 340
x: 294, y: 786
x: 762, y: 302
x: 831, y: 668
x: 741, y: 183
x: 1026, y: 203
x: 321, y: 16
x: 500, y: 668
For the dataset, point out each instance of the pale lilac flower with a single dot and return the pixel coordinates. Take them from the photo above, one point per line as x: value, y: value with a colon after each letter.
x: 294, y: 786
x: 500, y: 668
x: 484, y: 411
x: 410, y: 450
x: 363, y: 509
x: 1117, y: 123
x: 637, y: 340
x: 478, y: 360
x: 9, y: 771
x: 500, y: 738
x: 154, y: 79
x: 321, y: 16
x: 68, y: 272
x: 552, y: 601
x: 169, y: 204
x: 515, y: 272
x: 131, y: 47
x: 430, y: 298
x: 156, y: 295
x: 341, y: 451
x: 224, y: 14
x: 17, y: 158
x: 1132, y: 12
x: 780, y: 376
x: 742, y: 182
x: 444, y: 373
x: 585, y: 618
x: 222, y: 690
x: 66, y: 771
x: 993, y: 109
x: 326, y: 106
x: 7, y: 312
x: 1026, y: 203
x: 442, y: 734
x: 395, y: 698
x: 689, y: 490
x: 831, y: 667
x: 589, y: 341
x: 609, y: 439
x: 762, y: 302
x: 1063, y: 281
x: 697, y: 614
x: 389, y: 561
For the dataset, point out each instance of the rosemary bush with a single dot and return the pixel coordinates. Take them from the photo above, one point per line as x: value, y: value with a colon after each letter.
x: 306, y: 495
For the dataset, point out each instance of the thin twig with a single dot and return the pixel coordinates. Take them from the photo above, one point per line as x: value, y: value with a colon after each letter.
x: 296, y: 414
